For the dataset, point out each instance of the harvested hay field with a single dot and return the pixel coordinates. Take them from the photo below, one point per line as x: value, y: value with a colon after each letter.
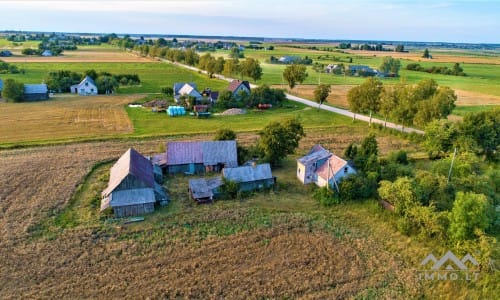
x: 338, y: 96
x: 265, y: 247
x: 65, y: 117
x: 436, y: 56
x: 83, y: 55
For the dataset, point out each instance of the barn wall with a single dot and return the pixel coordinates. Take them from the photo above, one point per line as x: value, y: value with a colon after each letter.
x: 187, y: 168
x: 130, y: 182
x: 36, y: 97
x: 255, y: 185
x: 133, y: 210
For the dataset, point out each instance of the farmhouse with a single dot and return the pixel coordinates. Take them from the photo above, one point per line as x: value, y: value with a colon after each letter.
x: 47, y: 53
x: 237, y: 87
x: 204, y: 190
x: 186, y: 88
x: 250, y: 178
x: 322, y: 167
x: 36, y: 92
x: 133, y: 187
x: 85, y: 88
x: 289, y: 59
x: 5, y: 53
x: 197, y: 157
x: 360, y: 70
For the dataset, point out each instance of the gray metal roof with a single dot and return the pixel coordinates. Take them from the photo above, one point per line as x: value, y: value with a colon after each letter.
x: 316, y: 153
x: 208, y: 152
x: 130, y: 197
x: 248, y: 173
x: 203, y: 188
x: 131, y: 162
x: 179, y: 85
x: 35, y: 88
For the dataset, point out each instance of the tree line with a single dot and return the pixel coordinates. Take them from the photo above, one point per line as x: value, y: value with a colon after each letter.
x: 406, y: 104
x: 444, y: 70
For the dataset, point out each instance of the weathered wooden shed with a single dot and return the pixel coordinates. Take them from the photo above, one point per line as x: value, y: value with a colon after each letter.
x: 204, y: 190
x: 132, y: 189
x: 197, y: 157
x: 252, y: 177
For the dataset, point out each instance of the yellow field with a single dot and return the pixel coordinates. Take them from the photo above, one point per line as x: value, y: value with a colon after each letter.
x: 65, y: 117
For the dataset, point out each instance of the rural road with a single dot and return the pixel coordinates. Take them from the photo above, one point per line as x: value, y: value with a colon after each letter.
x: 339, y: 111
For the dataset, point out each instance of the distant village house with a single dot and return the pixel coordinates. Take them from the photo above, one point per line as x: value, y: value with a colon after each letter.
x: 35, y: 92
x: 237, y: 87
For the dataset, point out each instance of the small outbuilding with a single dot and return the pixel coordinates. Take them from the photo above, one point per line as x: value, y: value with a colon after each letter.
x: 251, y: 178
x: 204, y: 190
x: 47, y: 53
x: 133, y: 188
x: 36, y: 92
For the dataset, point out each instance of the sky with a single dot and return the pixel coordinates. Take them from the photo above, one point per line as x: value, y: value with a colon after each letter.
x: 465, y: 21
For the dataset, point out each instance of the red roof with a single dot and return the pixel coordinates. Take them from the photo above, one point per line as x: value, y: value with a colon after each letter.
x: 336, y: 164
x: 233, y: 86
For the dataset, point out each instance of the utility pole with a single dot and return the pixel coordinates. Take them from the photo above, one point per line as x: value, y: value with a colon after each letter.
x: 451, y: 165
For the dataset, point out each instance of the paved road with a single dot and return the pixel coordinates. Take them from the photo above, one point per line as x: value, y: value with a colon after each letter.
x: 339, y: 111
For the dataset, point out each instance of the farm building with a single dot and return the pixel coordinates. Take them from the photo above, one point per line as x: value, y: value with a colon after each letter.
x: 36, y: 92
x: 360, y: 70
x: 5, y: 53
x: 47, y: 53
x: 85, y: 88
x: 237, y: 86
x: 197, y: 157
x: 250, y: 178
x: 188, y: 89
x: 1, y: 86
x: 289, y: 59
x: 133, y: 188
x: 204, y: 190
x: 321, y: 167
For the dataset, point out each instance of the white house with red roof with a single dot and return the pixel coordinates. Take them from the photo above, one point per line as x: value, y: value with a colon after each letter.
x: 322, y: 167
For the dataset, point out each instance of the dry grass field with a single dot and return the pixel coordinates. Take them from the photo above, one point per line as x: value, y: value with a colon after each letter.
x: 445, y: 57
x: 65, y: 117
x: 338, y: 96
x: 276, y: 250
x: 90, y: 55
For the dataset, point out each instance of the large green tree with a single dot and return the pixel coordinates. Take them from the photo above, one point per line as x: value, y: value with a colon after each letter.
x: 13, y: 90
x: 231, y: 67
x: 321, y: 93
x: 251, y: 67
x: 294, y: 74
x: 470, y: 213
x: 278, y: 139
x: 366, y: 97
x: 390, y: 65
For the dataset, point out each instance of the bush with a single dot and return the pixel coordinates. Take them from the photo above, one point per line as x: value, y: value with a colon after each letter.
x: 326, y: 197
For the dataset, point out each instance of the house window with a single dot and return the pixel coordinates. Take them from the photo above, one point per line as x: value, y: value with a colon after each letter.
x: 298, y: 171
x: 92, y: 90
x: 345, y: 170
x: 86, y: 84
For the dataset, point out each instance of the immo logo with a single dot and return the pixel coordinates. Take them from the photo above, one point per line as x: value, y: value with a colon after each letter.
x: 449, y: 267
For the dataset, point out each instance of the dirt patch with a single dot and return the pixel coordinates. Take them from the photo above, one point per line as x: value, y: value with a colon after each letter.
x: 467, y: 98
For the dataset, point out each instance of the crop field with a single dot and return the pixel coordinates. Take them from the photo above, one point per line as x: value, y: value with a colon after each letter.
x: 277, y: 243
x: 83, y: 54
x: 64, y: 118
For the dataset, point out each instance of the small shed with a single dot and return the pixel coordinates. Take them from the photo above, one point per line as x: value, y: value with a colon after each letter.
x: 251, y: 178
x: 36, y: 92
x: 47, y: 53
x: 204, y: 190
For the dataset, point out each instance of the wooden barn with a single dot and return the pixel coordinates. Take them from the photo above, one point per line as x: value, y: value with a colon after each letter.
x: 204, y: 190
x: 132, y: 188
x: 36, y: 92
x: 197, y: 157
x: 251, y: 178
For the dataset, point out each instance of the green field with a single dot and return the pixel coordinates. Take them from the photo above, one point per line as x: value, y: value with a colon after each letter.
x: 153, y: 75
x: 147, y: 123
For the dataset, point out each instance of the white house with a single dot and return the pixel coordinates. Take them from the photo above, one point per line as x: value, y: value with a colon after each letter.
x: 321, y: 167
x: 86, y: 87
